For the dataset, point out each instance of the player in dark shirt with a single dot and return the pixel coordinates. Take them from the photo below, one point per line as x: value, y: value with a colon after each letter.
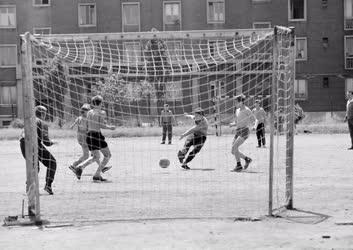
x: 44, y: 156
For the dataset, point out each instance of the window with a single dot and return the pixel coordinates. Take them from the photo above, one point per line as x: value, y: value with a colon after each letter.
x: 325, y: 82
x: 174, y: 91
x: 348, y: 48
x: 87, y: 15
x: 301, y: 49
x: 8, y: 56
x: 172, y: 15
x: 297, y: 10
x: 261, y: 25
x: 324, y: 3
x: 8, y: 95
x: 215, y: 11
x: 325, y: 42
x: 132, y: 52
x: 218, y: 90
x: 42, y: 31
x: 131, y: 17
x: 349, y: 84
x: 348, y: 14
x: 41, y: 3
x: 7, y: 16
x: 300, y: 89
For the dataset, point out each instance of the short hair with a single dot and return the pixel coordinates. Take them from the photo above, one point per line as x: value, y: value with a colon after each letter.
x: 199, y: 111
x: 97, y: 100
x: 240, y: 98
x: 257, y: 101
x: 39, y: 110
x: 166, y: 105
x: 85, y: 107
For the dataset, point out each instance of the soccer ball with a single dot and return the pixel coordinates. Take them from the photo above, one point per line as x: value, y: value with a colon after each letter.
x: 164, y: 163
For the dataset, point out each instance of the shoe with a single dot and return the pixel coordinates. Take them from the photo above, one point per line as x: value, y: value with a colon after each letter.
x: 77, y: 171
x: 169, y: 142
x: 106, y: 168
x: 98, y: 178
x: 247, y: 162
x: 163, y: 142
x: 180, y: 156
x: 258, y: 146
x: 238, y: 168
x: 264, y: 146
x: 184, y: 166
x: 350, y: 148
x: 48, y: 190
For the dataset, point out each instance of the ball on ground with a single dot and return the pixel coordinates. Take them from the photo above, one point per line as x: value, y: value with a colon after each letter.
x: 164, y: 163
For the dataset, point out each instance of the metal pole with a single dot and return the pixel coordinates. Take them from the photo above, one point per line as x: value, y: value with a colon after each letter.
x: 272, y: 119
x: 30, y: 130
x: 219, y: 108
x: 290, y: 123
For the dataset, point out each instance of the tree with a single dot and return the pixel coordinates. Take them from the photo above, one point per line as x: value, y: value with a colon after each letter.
x: 117, y: 91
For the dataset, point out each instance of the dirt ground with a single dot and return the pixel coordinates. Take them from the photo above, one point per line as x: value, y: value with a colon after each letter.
x: 146, y: 207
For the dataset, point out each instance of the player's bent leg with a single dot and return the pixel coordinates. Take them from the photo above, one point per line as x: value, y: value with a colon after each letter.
x: 107, y: 155
x: 238, y: 155
x: 192, y: 154
x: 198, y: 143
x: 48, y: 160
x: 182, y: 153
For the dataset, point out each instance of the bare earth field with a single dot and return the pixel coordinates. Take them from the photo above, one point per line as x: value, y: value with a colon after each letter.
x: 146, y: 207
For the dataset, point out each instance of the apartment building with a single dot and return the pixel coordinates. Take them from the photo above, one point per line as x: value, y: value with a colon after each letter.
x: 324, y: 36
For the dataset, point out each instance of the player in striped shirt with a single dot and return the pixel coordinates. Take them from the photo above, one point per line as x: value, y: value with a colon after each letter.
x: 197, y: 136
x: 244, y: 118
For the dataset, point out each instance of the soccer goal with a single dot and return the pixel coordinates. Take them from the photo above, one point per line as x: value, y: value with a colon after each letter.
x: 137, y: 74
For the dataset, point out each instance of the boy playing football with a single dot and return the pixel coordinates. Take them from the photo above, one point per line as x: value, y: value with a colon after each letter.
x: 243, y: 119
x: 197, y: 137
x: 96, y: 120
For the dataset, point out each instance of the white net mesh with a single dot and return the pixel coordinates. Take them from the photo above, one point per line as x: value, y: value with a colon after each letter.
x: 137, y: 74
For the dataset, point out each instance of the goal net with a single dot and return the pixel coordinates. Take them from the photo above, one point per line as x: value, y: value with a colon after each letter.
x: 137, y: 74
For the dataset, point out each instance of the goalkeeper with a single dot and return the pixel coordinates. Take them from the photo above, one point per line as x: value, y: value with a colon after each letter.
x: 196, y: 137
x: 44, y: 156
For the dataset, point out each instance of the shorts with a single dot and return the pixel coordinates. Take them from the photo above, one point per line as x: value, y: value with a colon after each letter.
x: 297, y: 120
x: 95, y: 141
x: 242, y: 132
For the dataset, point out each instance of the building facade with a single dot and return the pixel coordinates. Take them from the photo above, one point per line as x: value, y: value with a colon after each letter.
x: 324, y: 36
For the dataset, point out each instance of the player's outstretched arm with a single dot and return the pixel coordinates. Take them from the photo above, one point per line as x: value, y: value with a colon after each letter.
x: 188, y: 115
x: 74, y: 124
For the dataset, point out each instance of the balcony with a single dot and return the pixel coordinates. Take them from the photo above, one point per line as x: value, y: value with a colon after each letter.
x: 348, y: 23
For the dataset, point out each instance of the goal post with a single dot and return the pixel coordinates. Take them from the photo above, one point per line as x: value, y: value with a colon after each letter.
x: 30, y: 130
x: 283, y: 86
x: 137, y: 74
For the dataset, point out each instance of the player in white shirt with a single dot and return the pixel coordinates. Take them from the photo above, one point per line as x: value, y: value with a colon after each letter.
x: 244, y: 118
